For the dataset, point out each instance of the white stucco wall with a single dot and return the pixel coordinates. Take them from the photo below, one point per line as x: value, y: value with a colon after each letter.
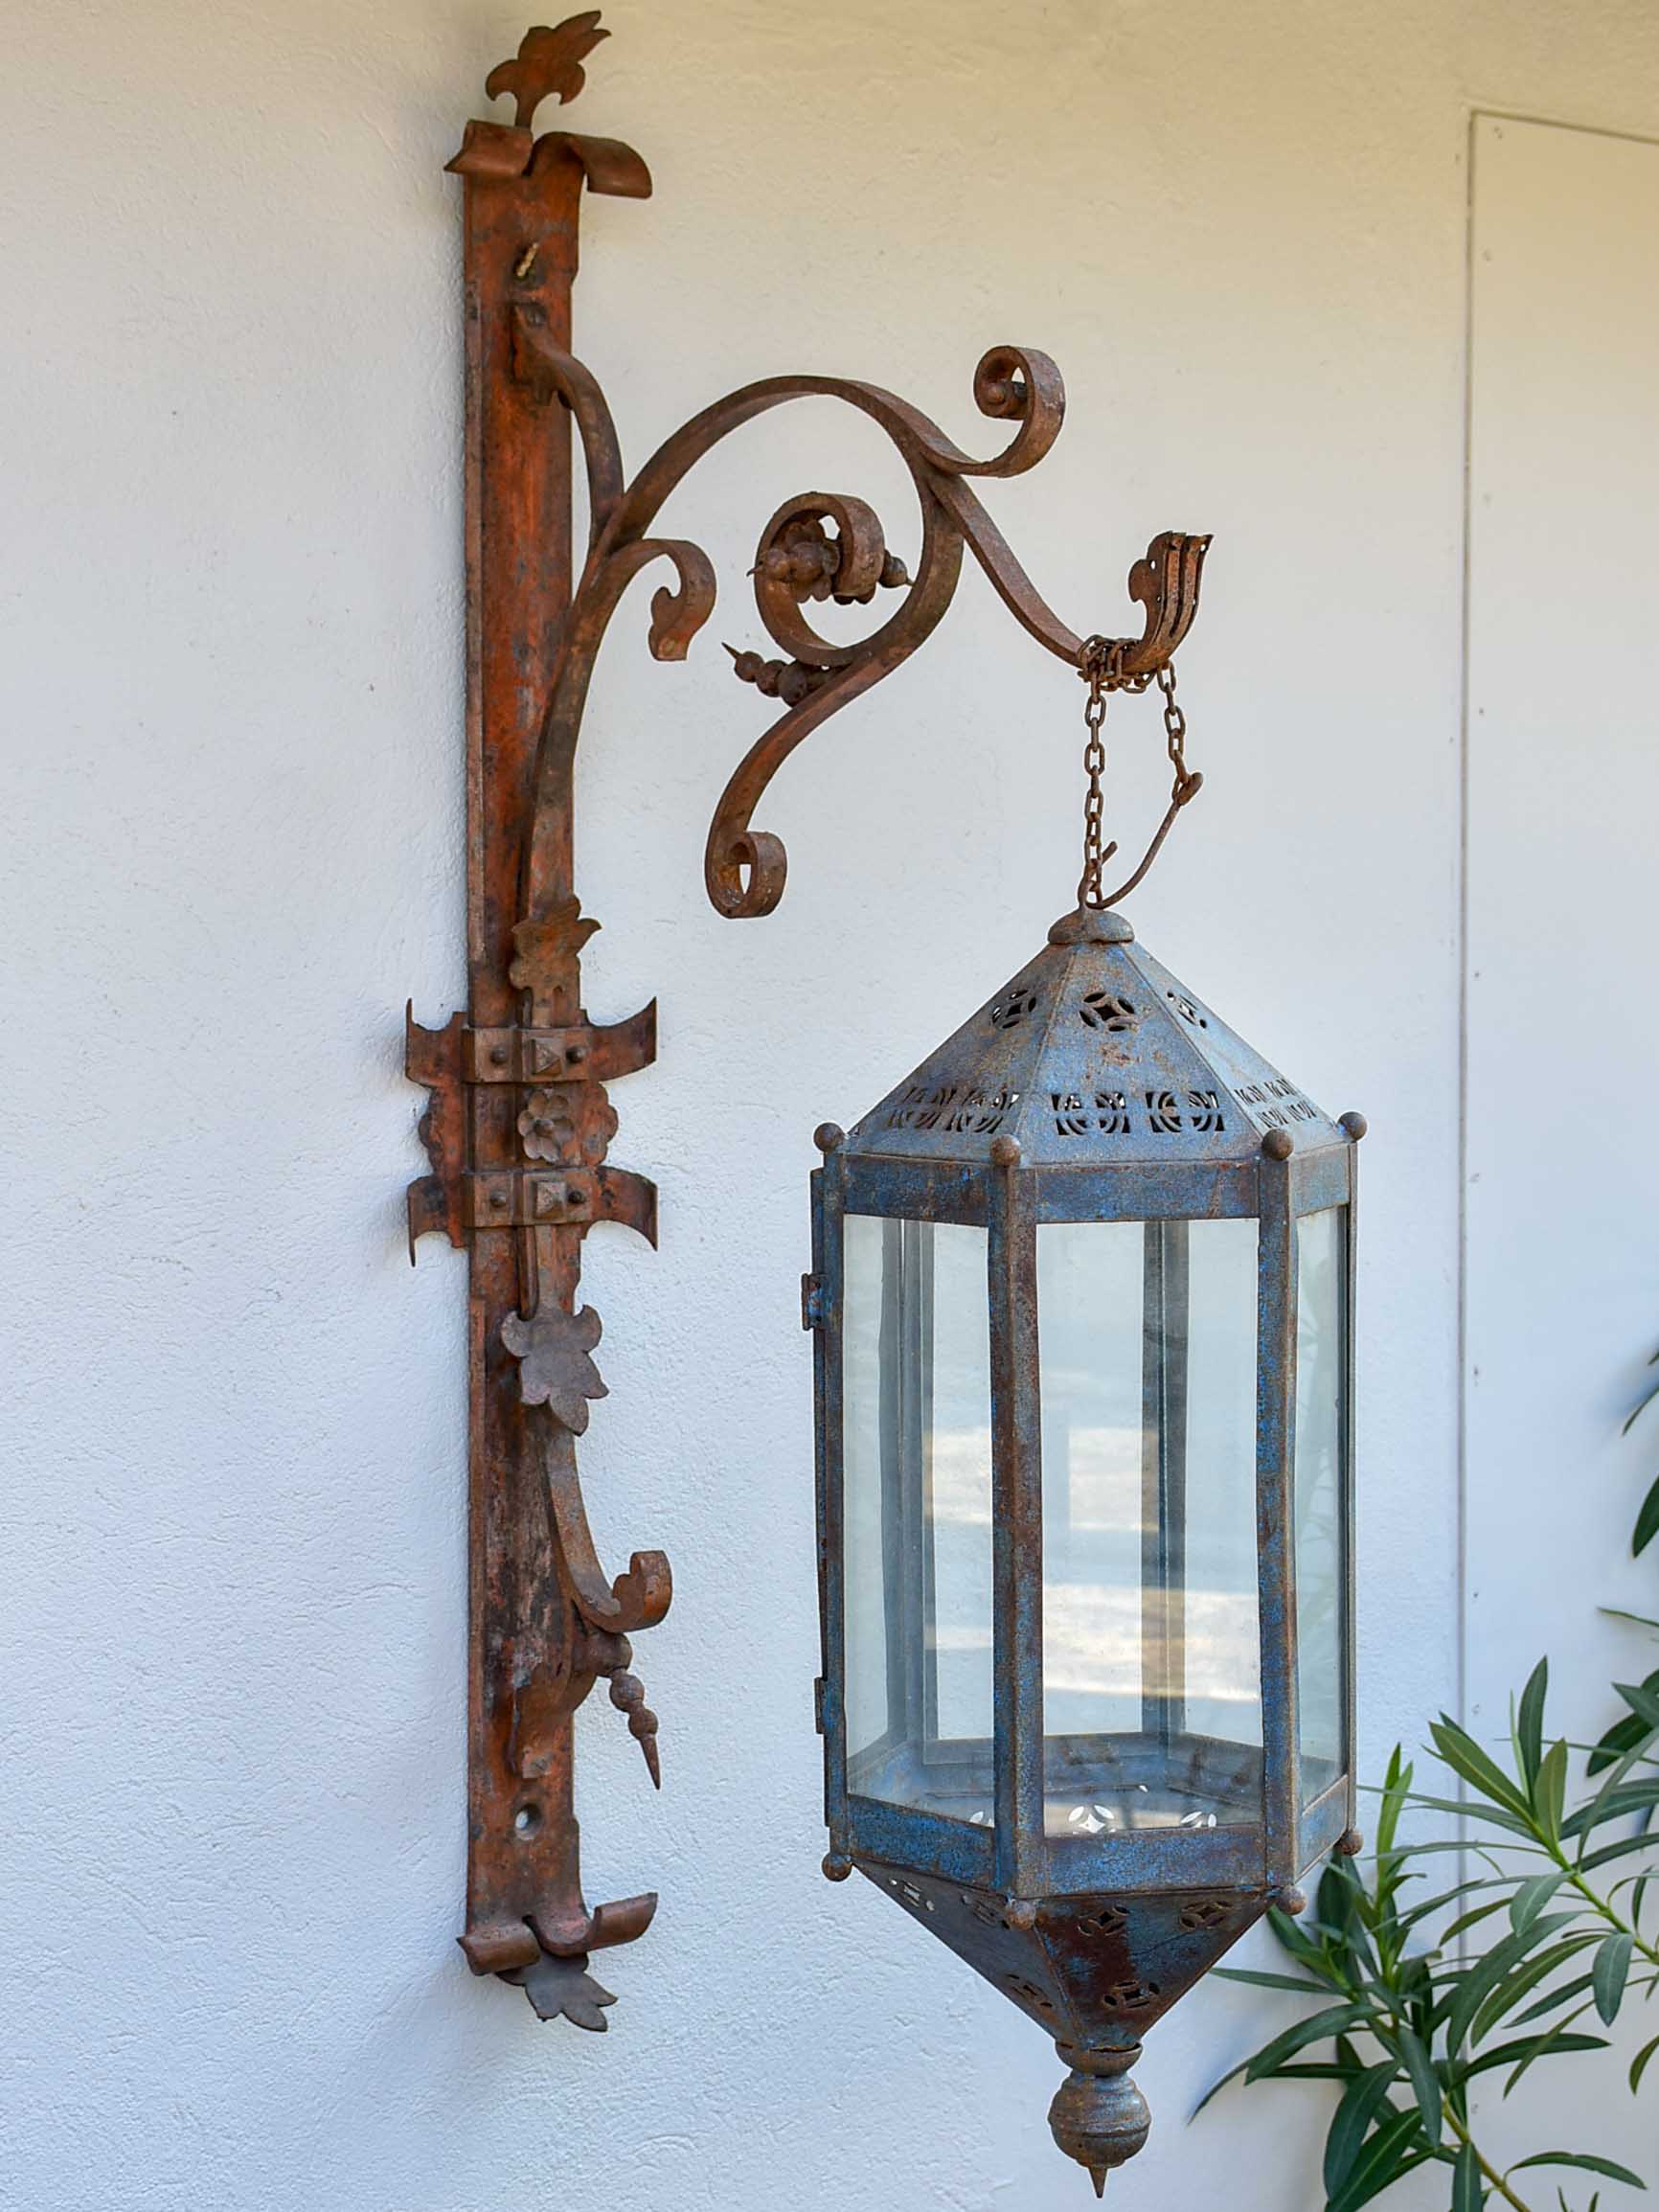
x: 231, y: 1851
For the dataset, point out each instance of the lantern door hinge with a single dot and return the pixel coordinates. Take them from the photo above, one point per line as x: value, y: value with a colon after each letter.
x: 813, y: 1308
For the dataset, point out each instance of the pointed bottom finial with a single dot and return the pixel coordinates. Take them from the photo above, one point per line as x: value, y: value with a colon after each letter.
x: 1099, y: 2117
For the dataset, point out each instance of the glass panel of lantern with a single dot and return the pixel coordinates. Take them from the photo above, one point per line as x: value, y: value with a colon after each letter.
x: 1151, y: 1625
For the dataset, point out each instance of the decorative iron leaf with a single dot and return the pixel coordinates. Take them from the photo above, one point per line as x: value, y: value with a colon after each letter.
x: 563, y: 1986
x: 555, y: 1369
x: 547, y: 950
x: 549, y: 62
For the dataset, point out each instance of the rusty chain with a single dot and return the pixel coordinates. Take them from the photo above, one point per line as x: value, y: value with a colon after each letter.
x: 1100, y: 663
x: 1096, y: 663
x: 1175, y: 736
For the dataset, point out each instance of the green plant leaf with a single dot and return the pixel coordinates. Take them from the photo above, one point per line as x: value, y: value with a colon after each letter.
x: 1425, y: 2083
x: 1643, y: 1402
x: 1516, y: 1986
x: 1468, y: 2191
x: 1647, y: 1521
x: 1556, y: 1998
x: 1609, y: 1975
x: 1217, y: 2086
x: 1585, y: 2163
x: 1625, y: 1846
x: 1530, y: 1721
x: 1550, y: 1795
x: 1382, y: 2161
x: 1284, y: 1982
x: 1459, y: 1751
x: 1361, y: 2101
x: 1552, y: 2043
x: 1639, y: 2064
x: 1612, y: 1804
x: 1297, y: 1942
x: 1642, y: 1699
x: 1477, y: 1984
x: 1624, y: 1737
x: 1335, y: 2021
x: 1525, y: 2048
x: 1473, y: 1918
x: 1465, y: 1809
x: 1395, y: 1790
x: 1532, y: 1897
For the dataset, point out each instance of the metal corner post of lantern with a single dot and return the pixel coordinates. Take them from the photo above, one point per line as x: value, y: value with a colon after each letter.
x: 1082, y: 1285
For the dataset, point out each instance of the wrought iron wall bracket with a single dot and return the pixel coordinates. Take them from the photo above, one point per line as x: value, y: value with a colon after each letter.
x: 518, y: 1124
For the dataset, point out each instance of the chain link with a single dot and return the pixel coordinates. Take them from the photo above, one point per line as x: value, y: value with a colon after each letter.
x: 1174, y: 733
x: 1100, y: 663
x: 1096, y: 659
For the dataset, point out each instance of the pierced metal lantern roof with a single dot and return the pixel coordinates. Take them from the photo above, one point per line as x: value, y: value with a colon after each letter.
x: 1093, y: 1054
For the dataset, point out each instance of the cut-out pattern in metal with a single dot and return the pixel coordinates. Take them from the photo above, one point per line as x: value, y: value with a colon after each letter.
x: 1205, y: 1912
x: 1009, y: 1011
x: 1276, y: 1105
x: 1130, y: 1996
x: 950, y: 1107
x: 1204, y: 1112
x: 1106, y: 1010
x: 1109, y: 1112
x: 1199, y: 1111
x: 1108, y: 1920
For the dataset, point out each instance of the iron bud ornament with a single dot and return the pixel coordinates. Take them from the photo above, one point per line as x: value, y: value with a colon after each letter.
x: 1083, y: 1286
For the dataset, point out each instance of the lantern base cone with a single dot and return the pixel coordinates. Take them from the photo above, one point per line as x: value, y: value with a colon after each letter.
x: 1099, y: 2117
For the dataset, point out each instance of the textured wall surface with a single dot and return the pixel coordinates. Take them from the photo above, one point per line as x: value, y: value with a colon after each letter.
x: 231, y: 1851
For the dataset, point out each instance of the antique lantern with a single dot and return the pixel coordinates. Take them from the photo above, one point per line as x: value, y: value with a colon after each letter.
x: 1083, y: 1292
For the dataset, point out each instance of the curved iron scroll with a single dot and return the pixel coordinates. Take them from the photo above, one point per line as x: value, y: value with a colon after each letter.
x: 519, y: 1123
x: 798, y: 560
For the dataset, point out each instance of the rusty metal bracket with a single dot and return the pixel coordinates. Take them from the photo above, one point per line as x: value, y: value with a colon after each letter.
x: 518, y: 1124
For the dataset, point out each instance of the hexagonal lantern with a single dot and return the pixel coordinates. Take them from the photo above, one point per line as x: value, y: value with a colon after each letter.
x: 1083, y: 1292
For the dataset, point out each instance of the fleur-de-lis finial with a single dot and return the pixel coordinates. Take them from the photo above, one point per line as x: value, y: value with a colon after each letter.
x: 547, y: 62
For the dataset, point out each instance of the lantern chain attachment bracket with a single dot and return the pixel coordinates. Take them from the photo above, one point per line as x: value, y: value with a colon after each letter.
x: 518, y: 1124
x: 1100, y: 664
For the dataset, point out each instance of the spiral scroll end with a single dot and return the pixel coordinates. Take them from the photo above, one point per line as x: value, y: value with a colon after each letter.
x: 1018, y: 384
x: 747, y: 879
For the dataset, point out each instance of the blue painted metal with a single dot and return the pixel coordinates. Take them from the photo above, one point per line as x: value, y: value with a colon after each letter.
x: 1016, y: 1527
x: 1275, y: 1533
x: 1094, y: 1086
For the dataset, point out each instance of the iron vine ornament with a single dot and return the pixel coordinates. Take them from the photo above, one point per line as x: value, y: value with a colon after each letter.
x: 519, y: 1127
